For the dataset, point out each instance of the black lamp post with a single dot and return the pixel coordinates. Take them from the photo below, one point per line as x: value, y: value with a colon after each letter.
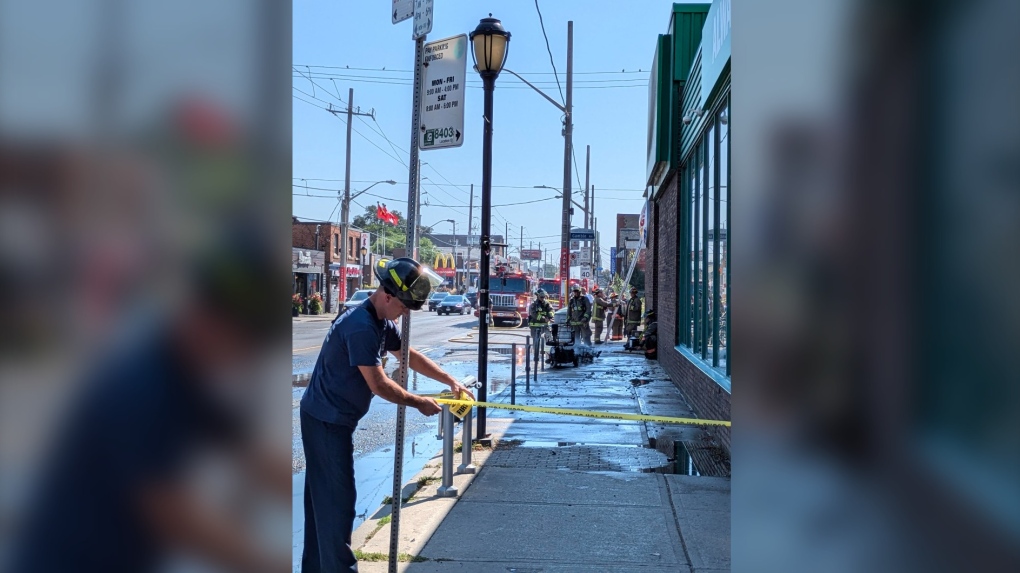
x: 489, y: 48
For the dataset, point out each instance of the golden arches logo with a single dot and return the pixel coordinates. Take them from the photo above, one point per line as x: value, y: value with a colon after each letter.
x: 445, y: 261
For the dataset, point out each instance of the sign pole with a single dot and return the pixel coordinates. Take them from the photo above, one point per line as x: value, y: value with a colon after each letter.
x: 405, y: 329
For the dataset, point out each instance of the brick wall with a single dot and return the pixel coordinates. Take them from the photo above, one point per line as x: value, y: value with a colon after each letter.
x: 705, y: 396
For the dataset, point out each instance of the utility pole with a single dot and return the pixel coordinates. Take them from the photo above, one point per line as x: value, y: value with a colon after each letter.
x: 594, y: 227
x: 588, y: 209
x: 345, y: 204
x: 568, y: 130
x: 467, y: 260
x: 520, y: 251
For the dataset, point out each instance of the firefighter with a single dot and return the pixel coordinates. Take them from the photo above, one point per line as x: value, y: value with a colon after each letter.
x: 650, y: 339
x: 578, y: 316
x: 617, y: 319
x: 598, y: 314
x: 540, y: 314
x: 633, y: 313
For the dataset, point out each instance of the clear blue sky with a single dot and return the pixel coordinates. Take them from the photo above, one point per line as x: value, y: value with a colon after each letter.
x: 610, y: 111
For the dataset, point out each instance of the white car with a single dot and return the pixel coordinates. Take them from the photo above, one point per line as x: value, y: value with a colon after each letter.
x: 358, y: 298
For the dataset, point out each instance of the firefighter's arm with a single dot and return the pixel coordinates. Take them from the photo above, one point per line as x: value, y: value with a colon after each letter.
x: 381, y: 385
x: 425, y: 366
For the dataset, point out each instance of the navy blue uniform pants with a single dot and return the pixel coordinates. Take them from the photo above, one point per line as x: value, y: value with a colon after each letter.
x: 329, y: 496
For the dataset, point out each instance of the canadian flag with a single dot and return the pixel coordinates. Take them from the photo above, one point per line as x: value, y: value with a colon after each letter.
x: 385, y: 215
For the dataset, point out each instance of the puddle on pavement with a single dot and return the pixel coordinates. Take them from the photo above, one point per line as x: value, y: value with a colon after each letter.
x: 682, y: 460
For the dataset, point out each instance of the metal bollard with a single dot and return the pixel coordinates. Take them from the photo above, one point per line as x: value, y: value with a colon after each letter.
x: 527, y: 359
x: 448, y: 489
x: 513, y: 374
x: 466, y: 467
x: 541, y: 354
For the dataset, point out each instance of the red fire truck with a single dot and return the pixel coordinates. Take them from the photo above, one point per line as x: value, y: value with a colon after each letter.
x: 552, y: 288
x: 510, y: 293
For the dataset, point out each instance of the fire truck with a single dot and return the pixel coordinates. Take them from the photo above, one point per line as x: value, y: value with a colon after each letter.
x: 510, y: 293
x: 552, y: 288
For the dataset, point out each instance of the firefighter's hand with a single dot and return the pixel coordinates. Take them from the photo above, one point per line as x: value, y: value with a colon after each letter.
x: 458, y: 388
x: 429, y: 406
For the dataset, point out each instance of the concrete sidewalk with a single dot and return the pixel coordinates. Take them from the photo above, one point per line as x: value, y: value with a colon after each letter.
x: 570, y: 495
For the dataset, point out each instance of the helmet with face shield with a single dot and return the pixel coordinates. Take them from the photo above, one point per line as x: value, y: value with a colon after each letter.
x: 407, y: 280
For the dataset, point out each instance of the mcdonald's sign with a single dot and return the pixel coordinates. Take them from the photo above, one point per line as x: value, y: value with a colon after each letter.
x: 445, y: 264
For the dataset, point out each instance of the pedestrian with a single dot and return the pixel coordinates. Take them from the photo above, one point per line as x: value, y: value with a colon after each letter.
x: 346, y: 375
x: 598, y: 314
x: 578, y: 316
x: 632, y: 313
x: 540, y: 314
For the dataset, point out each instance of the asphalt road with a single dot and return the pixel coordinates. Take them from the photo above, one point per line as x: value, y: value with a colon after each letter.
x: 428, y: 332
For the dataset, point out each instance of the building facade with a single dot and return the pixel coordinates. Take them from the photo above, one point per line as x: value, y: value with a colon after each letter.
x: 325, y: 236
x: 689, y: 199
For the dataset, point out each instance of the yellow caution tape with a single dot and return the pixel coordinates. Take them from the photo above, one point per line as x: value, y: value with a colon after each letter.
x: 460, y: 408
x: 466, y: 405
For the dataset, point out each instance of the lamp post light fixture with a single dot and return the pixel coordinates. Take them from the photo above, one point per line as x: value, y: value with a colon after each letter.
x: 489, y: 42
x: 345, y: 215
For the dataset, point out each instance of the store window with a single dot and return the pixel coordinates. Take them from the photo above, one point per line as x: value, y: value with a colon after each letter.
x: 336, y: 243
x: 704, y: 239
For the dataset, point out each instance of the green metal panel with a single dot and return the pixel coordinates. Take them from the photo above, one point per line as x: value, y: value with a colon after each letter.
x: 660, y: 89
x: 685, y: 26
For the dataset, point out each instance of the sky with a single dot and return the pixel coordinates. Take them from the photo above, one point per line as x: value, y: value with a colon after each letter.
x: 613, y: 49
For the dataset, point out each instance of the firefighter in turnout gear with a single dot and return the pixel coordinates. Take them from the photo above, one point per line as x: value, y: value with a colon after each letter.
x: 578, y: 315
x: 598, y: 314
x: 540, y: 314
x: 633, y: 313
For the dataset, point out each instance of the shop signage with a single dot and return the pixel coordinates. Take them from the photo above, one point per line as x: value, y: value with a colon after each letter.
x: 307, y: 261
x: 715, y: 48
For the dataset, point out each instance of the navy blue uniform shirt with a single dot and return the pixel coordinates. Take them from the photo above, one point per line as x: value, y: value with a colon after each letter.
x: 337, y: 392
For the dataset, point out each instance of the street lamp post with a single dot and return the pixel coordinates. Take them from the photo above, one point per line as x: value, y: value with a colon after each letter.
x: 489, y: 48
x: 345, y: 215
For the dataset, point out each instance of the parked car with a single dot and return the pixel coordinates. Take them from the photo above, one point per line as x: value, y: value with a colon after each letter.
x: 435, y: 299
x: 357, y: 299
x: 454, y: 303
x: 472, y: 298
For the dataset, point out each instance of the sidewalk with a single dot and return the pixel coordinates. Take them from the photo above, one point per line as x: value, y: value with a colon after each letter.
x: 569, y: 495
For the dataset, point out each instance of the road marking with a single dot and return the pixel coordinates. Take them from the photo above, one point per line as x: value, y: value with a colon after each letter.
x: 303, y: 349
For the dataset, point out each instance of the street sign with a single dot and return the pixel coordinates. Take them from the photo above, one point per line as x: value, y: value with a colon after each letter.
x: 612, y: 260
x: 531, y: 255
x: 582, y: 234
x: 442, y: 112
x: 402, y: 10
x: 422, y: 18
x: 584, y: 254
x: 573, y: 259
x: 575, y: 244
x: 585, y: 271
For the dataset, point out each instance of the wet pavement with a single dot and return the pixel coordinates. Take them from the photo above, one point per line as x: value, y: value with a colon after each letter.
x: 564, y: 494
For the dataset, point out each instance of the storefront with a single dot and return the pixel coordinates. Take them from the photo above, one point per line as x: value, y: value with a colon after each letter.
x: 688, y: 189
x: 354, y: 274
x: 307, y: 266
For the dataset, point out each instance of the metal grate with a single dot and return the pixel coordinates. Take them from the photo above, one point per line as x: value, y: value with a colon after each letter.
x: 502, y: 300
